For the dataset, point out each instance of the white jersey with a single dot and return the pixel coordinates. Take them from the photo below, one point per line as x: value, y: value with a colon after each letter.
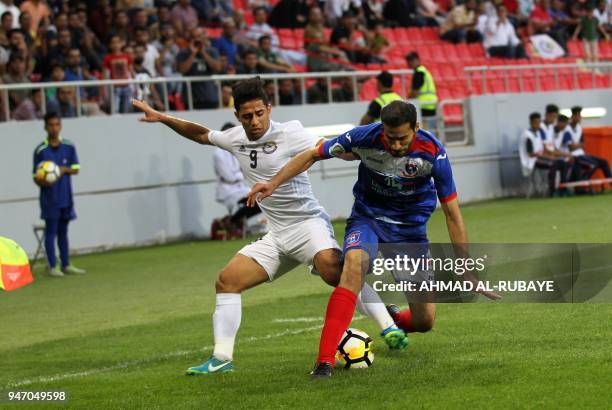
x: 230, y: 186
x: 293, y: 201
x: 549, y: 132
x: 536, y: 137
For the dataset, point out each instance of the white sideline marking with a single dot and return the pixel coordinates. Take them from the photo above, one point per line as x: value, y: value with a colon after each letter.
x: 133, y: 363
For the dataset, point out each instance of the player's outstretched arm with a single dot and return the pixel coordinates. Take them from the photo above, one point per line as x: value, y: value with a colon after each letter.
x: 459, y: 239
x: 294, y: 167
x: 190, y: 130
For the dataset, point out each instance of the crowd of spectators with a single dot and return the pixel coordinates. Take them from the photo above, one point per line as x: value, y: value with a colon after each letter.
x: 79, y: 40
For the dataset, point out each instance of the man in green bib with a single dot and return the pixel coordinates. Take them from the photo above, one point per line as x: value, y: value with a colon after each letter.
x: 384, y: 85
x: 423, y: 88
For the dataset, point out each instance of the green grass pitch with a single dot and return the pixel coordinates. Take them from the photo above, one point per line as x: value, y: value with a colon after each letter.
x: 123, y: 335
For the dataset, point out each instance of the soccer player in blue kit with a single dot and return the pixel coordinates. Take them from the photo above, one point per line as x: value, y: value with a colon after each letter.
x: 56, y: 202
x: 403, y: 172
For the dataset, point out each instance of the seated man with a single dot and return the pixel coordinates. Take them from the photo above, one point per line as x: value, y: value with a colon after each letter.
x: 569, y: 139
x: 533, y: 153
x: 231, y: 190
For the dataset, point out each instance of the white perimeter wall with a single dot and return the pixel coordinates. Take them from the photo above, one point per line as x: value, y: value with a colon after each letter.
x: 126, y: 193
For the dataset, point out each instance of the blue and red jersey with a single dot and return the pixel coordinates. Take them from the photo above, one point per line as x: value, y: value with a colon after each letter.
x: 395, y: 190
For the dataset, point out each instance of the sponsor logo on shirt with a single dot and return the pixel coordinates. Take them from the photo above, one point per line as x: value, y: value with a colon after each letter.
x: 242, y: 148
x: 336, y: 150
x: 417, y: 167
x: 353, y: 239
x: 269, y: 147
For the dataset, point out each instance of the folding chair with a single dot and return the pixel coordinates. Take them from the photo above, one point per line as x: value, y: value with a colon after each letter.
x: 39, y: 234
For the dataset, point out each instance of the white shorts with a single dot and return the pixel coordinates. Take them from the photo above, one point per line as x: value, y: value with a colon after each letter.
x: 280, y: 252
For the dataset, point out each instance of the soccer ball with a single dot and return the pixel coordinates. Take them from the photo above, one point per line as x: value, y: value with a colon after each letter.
x: 48, y: 171
x: 355, y: 350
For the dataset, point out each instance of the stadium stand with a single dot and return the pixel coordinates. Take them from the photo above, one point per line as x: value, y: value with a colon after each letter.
x: 459, y: 70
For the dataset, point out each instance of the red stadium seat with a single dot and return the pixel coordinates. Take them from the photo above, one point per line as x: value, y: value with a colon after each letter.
x: 585, y: 81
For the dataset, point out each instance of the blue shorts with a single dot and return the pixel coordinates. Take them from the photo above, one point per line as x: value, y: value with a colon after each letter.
x: 58, y: 213
x: 367, y: 233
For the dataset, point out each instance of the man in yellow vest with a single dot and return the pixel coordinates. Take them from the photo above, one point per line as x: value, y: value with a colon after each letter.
x: 423, y: 88
x: 384, y: 85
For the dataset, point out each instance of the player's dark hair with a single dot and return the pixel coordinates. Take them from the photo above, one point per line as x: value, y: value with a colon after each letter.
x: 552, y: 108
x: 258, y: 9
x: 249, y: 90
x: 562, y: 118
x: 385, y: 79
x: 576, y: 110
x: 50, y: 115
x: 397, y: 113
x: 534, y: 116
x: 227, y: 126
x: 263, y: 38
x: 5, y: 15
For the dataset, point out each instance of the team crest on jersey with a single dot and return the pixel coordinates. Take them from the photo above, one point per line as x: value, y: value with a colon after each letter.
x: 353, y: 239
x: 336, y: 150
x: 417, y: 167
x: 242, y: 148
x: 269, y: 147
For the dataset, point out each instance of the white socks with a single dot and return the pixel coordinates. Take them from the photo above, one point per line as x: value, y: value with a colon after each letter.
x: 370, y: 304
x: 226, y: 321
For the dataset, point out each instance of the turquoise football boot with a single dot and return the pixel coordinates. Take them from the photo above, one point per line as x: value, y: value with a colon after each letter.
x: 212, y: 365
x: 395, y: 338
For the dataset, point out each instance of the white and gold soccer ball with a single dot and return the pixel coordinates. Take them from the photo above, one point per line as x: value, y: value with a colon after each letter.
x: 354, y: 350
x: 48, y: 171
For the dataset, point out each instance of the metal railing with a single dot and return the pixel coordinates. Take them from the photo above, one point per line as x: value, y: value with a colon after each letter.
x: 537, y: 71
x: 188, y: 82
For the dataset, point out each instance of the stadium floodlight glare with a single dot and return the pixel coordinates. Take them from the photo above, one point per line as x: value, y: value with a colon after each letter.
x: 332, y: 130
x: 587, y: 112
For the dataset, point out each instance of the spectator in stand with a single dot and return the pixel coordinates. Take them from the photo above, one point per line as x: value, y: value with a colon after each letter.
x: 603, y: 12
x: 400, y: 12
x: 121, y: 26
x: 200, y: 59
x: 226, y: 44
x: 290, y: 14
x: 588, y: 28
x: 7, y: 23
x: 227, y: 99
x: 429, y: 13
x: 345, y: 92
x: 57, y: 54
x: 372, y: 12
x: 62, y: 104
x: 30, y: 108
x: 260, y: 28
x: 386, y: 95
x: 335, y: 9
x: 92, y: 54
x: 533, y: 153
x: 500, y: 38
x: 163, y: 19
x: 287, y: 94
x: 16, y: 74
x: 216, y: 11
x: 14, y: 12
x: 541, y: 22
x: 460, y: 24
x: 318, y: 50
x: 56, y: 76
x: 25, y: 25
x: 118, y: 66
x: 346, y: 37
x: 145, y: 92
x: 185, y: 17
x: 249, y: 63
x: 317, y: 93
x: 268, y: 61
x: 151, y: 57
x: 168, y: 52
x: 100, y: 19
x: 377, y: 43
x: 76, y: 70
x: 40, y: 13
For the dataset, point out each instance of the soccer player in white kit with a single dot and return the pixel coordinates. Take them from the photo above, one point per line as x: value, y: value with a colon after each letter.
x: 300, y: 229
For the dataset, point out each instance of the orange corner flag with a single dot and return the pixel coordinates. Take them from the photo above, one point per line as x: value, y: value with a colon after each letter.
x: 14, y: 265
